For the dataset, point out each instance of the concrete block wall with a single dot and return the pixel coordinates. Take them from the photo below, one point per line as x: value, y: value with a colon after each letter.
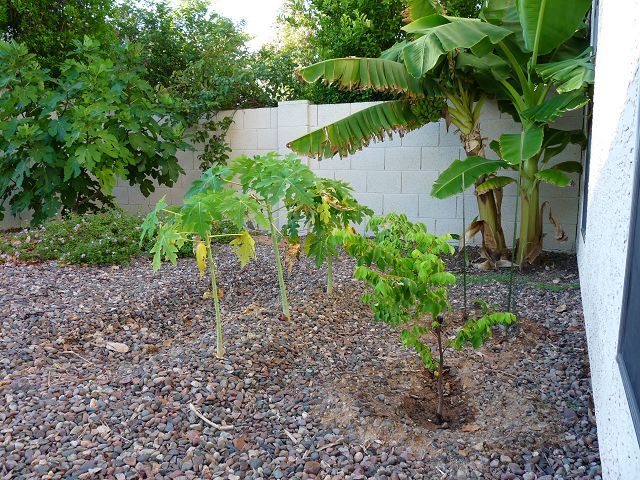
x: 395, y: 175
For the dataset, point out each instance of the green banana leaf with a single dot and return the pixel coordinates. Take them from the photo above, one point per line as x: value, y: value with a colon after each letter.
x: 569, y: 167
x: 423, y: 54
x: 356, y: 131
x: 461, y: 174
x: 555, y: 106
x: 554, y: 177
x: 569, y: 75
x: 547, y: 24
x: 517, y: 147
x: 493, y: 183
x: 364, y: 73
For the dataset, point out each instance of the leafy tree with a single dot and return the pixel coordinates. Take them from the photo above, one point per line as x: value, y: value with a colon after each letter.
x: 193, y: 222
x: 512, y: 53
x: 48, y: 29
x: 65, y: 141
x: 402, y: 264
x: 333, y: 208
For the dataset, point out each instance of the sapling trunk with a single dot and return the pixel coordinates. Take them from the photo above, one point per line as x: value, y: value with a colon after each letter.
x: 329, y: 274
x: 276, y: 251
x: 438, y: 331
x: 216, y: 300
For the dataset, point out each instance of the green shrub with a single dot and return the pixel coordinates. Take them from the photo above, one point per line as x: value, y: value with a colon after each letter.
x: 107, y: 238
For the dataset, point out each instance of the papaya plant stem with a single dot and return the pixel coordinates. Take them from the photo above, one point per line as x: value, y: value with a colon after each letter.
x: 276, y: 251
x: 330, y: 274
x: 216, y: 300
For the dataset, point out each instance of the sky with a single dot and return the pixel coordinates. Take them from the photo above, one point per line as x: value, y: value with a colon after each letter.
x: 259, y: 16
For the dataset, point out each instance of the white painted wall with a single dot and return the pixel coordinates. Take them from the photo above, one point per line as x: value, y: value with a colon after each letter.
x: 391, y: 176
x: 602, y: 253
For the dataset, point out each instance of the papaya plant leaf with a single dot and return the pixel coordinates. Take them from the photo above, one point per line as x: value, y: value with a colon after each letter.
x: 450, y: 181
x: 244, y: 247
x: 212, y: 179
x: 168, y: 241
x: 201, y: 257
x: 198, y: 214
x: 151, y: 221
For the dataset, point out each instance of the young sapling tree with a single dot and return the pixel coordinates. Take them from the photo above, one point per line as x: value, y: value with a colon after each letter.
x: 402, y: 263
x: 333, y: 208
x: 193, y: 222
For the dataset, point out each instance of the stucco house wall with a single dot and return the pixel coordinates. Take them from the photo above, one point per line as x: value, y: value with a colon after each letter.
x: 602, y: 252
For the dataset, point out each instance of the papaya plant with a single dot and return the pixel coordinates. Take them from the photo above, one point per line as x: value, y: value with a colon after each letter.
x: 275, y: 185
x: 170, y: 228
x: 333, y: 208
x: 403, y: 266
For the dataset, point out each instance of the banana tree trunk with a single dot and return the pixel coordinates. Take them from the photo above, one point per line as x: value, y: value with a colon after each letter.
x: 530, y: 241
x: 489, y: 205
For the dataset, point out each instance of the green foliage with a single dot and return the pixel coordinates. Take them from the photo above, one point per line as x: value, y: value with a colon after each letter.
x: 402, y: 264
x: 109, y: 237
x: 66, y: 141
x: 48, y: 29
x: 476, y: 331
x: 202, y: 58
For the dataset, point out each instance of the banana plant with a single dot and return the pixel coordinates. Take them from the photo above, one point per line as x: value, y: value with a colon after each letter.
x: 424, y: 76
x: 193, y: 222
x: 540, y: 71
x: 333, y: 208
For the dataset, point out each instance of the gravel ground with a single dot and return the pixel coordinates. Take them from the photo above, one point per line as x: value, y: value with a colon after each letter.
x: 329, y: 395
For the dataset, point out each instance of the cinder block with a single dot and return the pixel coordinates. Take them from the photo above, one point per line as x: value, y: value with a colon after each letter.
x: 402, y: 158
x: 384, y: 182
x: 401, y: 203
x: 186, y: 159
x: 550, y: 243
x: 359, y: 106
x: 418, y: 182
x: 243, y: 139
x: 387, y: 142
x: 450, y: 137
x: 490, y: 111
x: 325, y: 173
x: 287, y: 134
x: 293, y: 114
x: 372, y: 200
x: 437, y: 208
x: 313, y: 116
x: 368, y: 159
x: 333, y: 163
x: 356, y: 179
x: 448, y: 225
x: 236, y: 115
x: 274, y: 117
x: 548, y: 191
x: 121, y: 194
x: 257, y: 118
x: 332, y: 113
x: 425, y: 136
x: 268, y: 139
x: 439, y: 158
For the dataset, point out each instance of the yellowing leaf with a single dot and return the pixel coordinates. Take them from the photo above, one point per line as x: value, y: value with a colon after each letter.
x: 201, y: 257
x: 323, y: 210
x: 291, y: 254
x: 244, y: 247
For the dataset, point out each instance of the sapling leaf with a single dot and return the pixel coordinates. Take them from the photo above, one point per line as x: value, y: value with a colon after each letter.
x: 201, y: 257
x: 168, y: 241
x: 244, y: 247
x: 151, y: 221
